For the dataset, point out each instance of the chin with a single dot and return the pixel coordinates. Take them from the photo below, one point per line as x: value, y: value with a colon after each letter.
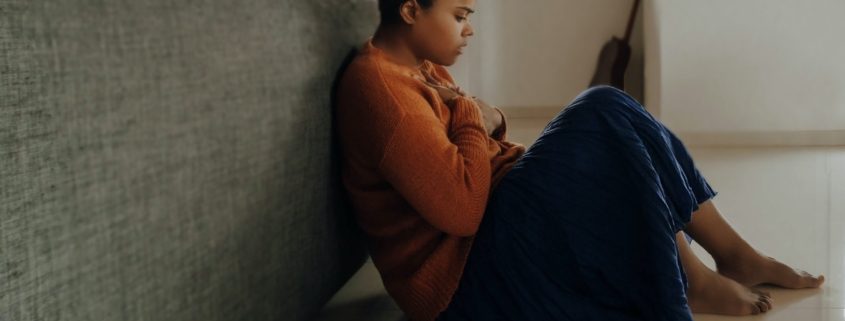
x: 446, y: 62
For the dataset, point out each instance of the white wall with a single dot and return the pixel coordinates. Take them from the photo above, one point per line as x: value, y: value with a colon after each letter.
x: 541, y: 53
x: 747, y: 66
x: 752, y: 71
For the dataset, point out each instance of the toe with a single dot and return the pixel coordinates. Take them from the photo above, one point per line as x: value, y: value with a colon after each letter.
x: 755, y: 309
x: 816, y: 281
x: 769, y: 302
x: 810, y: 281
x: 761, y: 292
x: 761, y: 306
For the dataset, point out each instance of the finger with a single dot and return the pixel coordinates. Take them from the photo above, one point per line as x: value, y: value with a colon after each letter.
x: 433, y: 81
x: 418, y: 77
x: 424, y: 79
x: 436, y: 86
x: 460, y: 91
x: 430, y: 78
x: 427, y: 75
x: 441, y: 87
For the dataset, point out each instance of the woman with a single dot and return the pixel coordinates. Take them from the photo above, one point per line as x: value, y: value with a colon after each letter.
x: 589, y: 223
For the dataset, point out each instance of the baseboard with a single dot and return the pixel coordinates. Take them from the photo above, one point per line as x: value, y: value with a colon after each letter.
x: 711, y: 138
x: 767, y: 138
x: 520, y: 112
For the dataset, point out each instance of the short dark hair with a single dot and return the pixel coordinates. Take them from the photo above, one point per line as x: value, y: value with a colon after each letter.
x: 389, y: 9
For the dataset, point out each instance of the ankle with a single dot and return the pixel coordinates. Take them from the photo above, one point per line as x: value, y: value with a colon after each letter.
x: 727, y: 259
x: 698, y: 277
x: 738, y: 255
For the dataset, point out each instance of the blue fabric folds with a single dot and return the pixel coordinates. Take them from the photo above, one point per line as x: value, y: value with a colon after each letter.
x: 583, y: 227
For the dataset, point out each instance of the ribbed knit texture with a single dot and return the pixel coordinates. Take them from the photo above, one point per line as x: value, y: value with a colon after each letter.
x: 418, y: 172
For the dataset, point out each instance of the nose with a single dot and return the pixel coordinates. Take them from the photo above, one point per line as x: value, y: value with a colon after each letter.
x: 468, y: 31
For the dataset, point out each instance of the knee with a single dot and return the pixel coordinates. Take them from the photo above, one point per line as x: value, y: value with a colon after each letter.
x: 603, y: 92
x: 607, y: 97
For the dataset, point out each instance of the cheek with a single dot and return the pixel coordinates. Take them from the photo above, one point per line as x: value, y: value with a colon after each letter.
x: 447, y: 29
x: 441, y: 37
x: 455, y: 29
x: 448, y: 35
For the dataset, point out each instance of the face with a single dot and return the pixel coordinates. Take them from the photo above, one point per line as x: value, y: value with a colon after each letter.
x: 440, y: 32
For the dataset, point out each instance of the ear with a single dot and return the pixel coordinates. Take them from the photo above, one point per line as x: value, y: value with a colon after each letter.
x: 408, y: 11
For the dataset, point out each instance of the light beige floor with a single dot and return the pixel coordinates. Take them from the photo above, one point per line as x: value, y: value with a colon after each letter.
x: 789, y: 202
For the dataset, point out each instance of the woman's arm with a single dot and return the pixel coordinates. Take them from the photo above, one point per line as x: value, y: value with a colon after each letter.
x: 491, y: 116
x: 443, y: 173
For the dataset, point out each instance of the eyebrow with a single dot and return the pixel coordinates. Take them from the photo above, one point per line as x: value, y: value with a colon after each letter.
x: 467, y: 9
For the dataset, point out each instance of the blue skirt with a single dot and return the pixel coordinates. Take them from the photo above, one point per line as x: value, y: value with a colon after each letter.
x: 583, y: 226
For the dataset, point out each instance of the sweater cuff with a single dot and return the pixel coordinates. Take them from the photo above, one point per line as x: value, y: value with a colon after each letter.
x: 465, y: 112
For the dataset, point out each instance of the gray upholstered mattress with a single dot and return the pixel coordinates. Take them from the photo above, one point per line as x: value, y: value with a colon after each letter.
x: 172, y: 160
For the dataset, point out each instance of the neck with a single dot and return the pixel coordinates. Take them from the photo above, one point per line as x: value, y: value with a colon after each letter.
x: 391, y: 41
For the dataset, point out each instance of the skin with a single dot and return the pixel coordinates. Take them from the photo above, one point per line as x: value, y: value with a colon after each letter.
x: 739, y: 267
x: 438, y: 33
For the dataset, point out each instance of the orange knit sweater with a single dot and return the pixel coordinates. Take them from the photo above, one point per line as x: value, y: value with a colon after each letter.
x: 418, y: 173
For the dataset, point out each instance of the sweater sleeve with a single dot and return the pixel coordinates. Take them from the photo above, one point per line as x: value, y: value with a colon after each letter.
x: 444, y: 174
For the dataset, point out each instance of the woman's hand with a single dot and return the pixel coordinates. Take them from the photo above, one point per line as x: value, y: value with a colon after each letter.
x: 447, y: 93
x: 492, y: 118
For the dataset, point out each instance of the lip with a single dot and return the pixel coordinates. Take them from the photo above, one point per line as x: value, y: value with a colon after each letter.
x: 460, y: 49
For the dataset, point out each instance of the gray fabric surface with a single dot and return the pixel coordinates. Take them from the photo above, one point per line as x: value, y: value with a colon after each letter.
x: 172, y: 160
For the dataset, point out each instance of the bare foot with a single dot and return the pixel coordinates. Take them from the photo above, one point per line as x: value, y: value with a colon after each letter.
x: 755, y: 268
x: 711, y: 292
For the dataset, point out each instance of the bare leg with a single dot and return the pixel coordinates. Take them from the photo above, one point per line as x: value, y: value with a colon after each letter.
x: 738, y: 260
x: 710, y: 292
